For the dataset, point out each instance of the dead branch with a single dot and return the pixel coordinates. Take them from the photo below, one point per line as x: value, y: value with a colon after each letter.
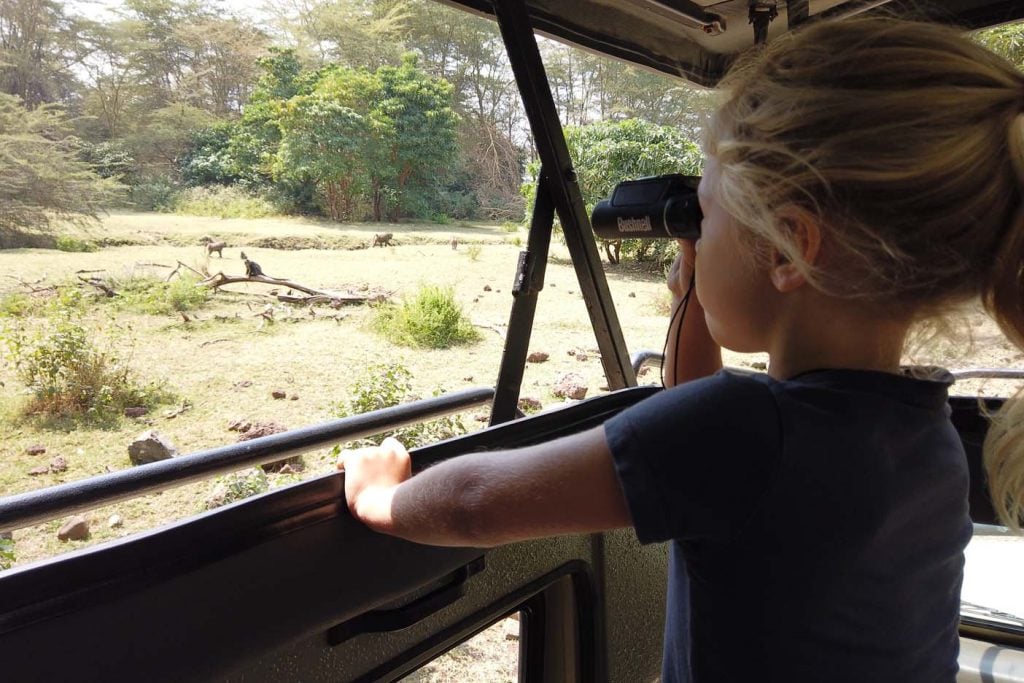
x: 211, y: 342
x: 31, y: 286
x: 218, y: 280
x: 154, y: 265
x: 171, y: 414
x: 101, y: 270
x: 186, y: 266
x: 100, y: 285
x: 334, y: 300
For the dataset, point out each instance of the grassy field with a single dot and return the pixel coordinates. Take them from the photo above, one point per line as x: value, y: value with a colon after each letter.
x: 223, y: 363
x: 227, y: 359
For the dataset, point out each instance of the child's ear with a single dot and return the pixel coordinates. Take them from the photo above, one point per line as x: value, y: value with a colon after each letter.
x: 804, y: 233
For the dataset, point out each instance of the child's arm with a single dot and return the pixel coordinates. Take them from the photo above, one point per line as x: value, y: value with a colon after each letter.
x: 485, y: 499
x: 690, y: 352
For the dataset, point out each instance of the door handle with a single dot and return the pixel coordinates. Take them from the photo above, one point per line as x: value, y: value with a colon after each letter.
x: 383, y: 620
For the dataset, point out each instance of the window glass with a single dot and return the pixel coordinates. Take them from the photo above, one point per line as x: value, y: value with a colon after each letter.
x: 491, y: 655
x: 995, y: 564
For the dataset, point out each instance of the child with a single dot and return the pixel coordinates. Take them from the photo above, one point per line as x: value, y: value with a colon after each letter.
x: 861, y: 177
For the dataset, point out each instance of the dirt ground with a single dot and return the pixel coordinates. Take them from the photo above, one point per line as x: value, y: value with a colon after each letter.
x: 226, y: 361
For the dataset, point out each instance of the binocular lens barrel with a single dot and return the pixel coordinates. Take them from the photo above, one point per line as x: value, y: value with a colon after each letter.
x: 660, y: 207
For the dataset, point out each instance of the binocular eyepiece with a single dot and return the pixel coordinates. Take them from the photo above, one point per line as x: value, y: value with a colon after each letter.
x: 659, y: 207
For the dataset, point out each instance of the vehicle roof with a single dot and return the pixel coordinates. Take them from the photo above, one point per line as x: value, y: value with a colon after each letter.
x: 697, y: 39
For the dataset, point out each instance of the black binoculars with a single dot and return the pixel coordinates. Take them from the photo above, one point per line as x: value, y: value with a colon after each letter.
x: 658, y: 207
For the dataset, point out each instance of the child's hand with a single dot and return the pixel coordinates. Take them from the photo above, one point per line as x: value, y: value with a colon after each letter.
x: 371, y: 476
x: 681, y: 271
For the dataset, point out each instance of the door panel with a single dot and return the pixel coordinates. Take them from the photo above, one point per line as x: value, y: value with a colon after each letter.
x: 252, y: 591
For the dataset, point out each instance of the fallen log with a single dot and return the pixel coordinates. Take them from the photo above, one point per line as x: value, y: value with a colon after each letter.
x: 313, y: 296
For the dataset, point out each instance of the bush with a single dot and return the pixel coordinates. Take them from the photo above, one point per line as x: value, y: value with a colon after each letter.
x: 7, y: 556
x: 473, y: 251
x: 384, y: 386
x: 14, y: 304
x: 223, y: 202
x: 154, y: 194
x: 509, y: 226
x: 150, y: 295
x: 432, y: 319
x: 236, y: 486
x: 73, y: 244
x: 68, y: 375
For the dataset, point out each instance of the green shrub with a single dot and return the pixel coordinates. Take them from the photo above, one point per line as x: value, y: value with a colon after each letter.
x: 153, y: 194
x: 150, y: 295
x: 7, y: 556
x: 237, y: 486
x: 73, y: 244
x: 384, y: 386
x: 432, y: 319
x: 509, y: 226
x: 14, y: 304
x: 473, y: 251
x: 68, y: 374
x: 223, y: 202
x: 441, y: 219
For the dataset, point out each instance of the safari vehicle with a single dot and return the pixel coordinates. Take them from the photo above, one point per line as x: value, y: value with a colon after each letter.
x: 287, y: 586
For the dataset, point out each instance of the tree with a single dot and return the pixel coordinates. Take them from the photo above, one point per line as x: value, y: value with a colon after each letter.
x: 417, y: 111
x: 607, y: 153
x: 322, y: 143
x: 387, y: 137
x: 37, y: 47
x: 41, y: 176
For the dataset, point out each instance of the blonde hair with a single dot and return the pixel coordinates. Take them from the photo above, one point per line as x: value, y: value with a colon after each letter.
x: 905, y: 142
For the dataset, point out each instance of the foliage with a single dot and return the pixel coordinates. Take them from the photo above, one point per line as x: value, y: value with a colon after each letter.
x: 207, y: 159
x: 1007, y: 40
x: 164, y: 135
x: 223, y: 202
x: 607, y: 153
x: 369, y: 142
x: 157, y: 193
x: 66, y: 369
x: 384, y: 386
x: 74, y: 244
x: 473, y: 251
x: 237, y: 486
x: 154, y: 296
x: 7, y: 556
x: 14, y: 304
x: 41, y: 175
x: 109, y: 159
x: 37, y: 47
x: 432, y: 319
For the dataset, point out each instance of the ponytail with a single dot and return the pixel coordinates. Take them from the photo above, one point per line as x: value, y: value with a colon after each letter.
x: 1004, y: 300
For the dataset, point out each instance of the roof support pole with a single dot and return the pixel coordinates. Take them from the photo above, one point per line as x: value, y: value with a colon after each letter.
x: 529, y: 281
x: 525, y: 59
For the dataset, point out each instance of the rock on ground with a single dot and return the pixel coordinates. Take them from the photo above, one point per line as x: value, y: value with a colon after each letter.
x: 258, y: 429
x: 75, y: 529
x: 149, y: 447
x: 571, y: 386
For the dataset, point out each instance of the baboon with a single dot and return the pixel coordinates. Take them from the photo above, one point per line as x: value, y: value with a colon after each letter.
x: 243, y: 256
x: 216, y: 247
x: 382, y: 240
x: 455, y: 242
x: 252, y: 269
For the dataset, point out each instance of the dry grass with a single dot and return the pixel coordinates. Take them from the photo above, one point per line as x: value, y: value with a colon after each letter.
x: 227, y: 360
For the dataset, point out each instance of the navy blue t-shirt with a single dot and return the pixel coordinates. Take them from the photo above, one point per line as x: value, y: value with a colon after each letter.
x: 817, y: 524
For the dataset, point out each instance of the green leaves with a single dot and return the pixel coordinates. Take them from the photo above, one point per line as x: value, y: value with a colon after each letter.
x: 369, y: 142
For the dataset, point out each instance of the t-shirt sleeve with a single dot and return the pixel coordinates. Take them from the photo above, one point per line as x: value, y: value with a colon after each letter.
x: 694, y: 461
